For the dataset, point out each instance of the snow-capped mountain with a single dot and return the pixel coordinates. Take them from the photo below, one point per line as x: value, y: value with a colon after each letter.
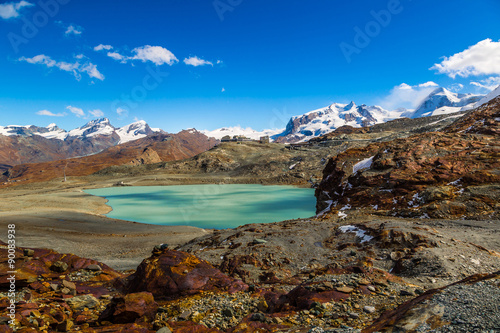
x: 238, y: 130
x: 94, y: 128
x: 442, y: 101
x: 134, y: 131
x: 319, y: 122
x: 488, y: 97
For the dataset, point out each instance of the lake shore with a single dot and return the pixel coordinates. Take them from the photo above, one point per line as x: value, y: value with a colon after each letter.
x: 62, y: 217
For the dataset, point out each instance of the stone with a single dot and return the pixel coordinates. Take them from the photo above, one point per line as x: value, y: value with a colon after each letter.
x: 65, y: 326
x: 54, y: 286
x: 371, y: 288
x: 258, y: 317
x: 185, y: 315
x: 354, y: 315
x: 66, y: 291
x: 346, y: 290
x: 69, y: 285
x: 94, y: 268
x: 59, y: 266
x: 259, y: 241
x: 369, y: 309
x: 78, y: 303
x: 262, y: 305
x: 164, y: 330
x: 29, y: 252
x: 407, y: 293
x: 227, y: 312
x: 128, y: 309
x: 161, y: 247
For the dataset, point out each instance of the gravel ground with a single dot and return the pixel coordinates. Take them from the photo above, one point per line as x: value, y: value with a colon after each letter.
x: 469, y: 308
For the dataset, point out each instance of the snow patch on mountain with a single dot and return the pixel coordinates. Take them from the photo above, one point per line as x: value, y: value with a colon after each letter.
x: 322, y: 121
x: 489, y: 97
x: 134, y: 131
x: 96, y: 127
x: 238, y: 130
x: 442, y: 101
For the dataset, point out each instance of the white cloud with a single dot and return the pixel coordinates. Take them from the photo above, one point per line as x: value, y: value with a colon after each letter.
x: 122, y: 112
x: 488, y: 84
x: 96, y: 113
x: 117, y: 56
x: 101, y: 47
x: 155, y: 54
x: 219, y: 62
x: 428, y: 84
x: 456, y: 87
x: 482, y: 58
x: 50, y: 114
x: 407, y: 96
x: 12, y: 9
x: 223, y: 89
x: 76, y: 111
x: 195, y: 61
x: 75, y: 68
x: 74, y: 30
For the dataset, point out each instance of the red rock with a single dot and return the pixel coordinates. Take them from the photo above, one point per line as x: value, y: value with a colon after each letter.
x: 5, y: 329
x: 28, y: 271
x: 172, y: 274
x: 127, y: 328
x: 129, y: 308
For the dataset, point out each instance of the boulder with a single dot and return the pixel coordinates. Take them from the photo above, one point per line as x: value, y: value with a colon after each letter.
x: 129, y: 308
x: 171, y: 274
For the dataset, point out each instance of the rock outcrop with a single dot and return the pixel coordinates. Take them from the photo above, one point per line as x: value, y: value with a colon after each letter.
x: 169, y: 274
x: 437, y: 175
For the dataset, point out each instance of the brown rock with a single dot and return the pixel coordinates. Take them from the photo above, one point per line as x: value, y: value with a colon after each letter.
x: 165, y: 276
x: 346, y: 290
x: 129, y: 308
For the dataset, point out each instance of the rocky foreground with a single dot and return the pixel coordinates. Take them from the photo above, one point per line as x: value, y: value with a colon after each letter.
x: 316, y: 275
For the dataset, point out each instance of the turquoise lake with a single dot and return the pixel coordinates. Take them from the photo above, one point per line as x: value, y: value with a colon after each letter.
x: 208, y: 206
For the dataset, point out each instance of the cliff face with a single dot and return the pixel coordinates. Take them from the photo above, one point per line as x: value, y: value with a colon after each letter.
x: 453, y: 173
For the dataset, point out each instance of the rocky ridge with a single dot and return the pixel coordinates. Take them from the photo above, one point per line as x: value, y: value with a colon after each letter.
x: 453, y: 173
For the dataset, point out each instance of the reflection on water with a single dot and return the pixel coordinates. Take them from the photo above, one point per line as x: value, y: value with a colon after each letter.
x: 208, y: 206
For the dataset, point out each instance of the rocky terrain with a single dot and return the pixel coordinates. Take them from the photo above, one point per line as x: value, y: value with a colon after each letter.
x: 315, y: 275
x: 453, y: 173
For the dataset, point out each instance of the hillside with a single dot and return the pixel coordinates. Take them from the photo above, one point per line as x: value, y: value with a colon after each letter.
x: 453, y: 173
x: 151, y: 149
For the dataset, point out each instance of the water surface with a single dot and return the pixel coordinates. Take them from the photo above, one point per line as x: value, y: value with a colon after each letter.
x: 208, y: 206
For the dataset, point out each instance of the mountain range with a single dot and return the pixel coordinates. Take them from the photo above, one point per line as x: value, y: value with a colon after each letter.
x: 319, y: 122
x: 33, y: 144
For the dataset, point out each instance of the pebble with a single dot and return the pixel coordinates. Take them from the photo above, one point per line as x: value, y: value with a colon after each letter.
x: 369, y: 309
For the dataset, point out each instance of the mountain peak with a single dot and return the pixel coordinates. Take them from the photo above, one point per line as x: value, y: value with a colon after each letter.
x: 104, y: 121
x: 350, y: 106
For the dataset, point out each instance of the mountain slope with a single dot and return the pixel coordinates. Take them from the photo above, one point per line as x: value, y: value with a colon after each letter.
x: 168, y: 147
x: 495, y: 93
x: 32, y: 144
x: 443, y: 101
x: 238, y: 130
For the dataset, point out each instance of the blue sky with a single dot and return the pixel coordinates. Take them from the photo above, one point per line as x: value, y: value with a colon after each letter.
x: 207, y: 64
